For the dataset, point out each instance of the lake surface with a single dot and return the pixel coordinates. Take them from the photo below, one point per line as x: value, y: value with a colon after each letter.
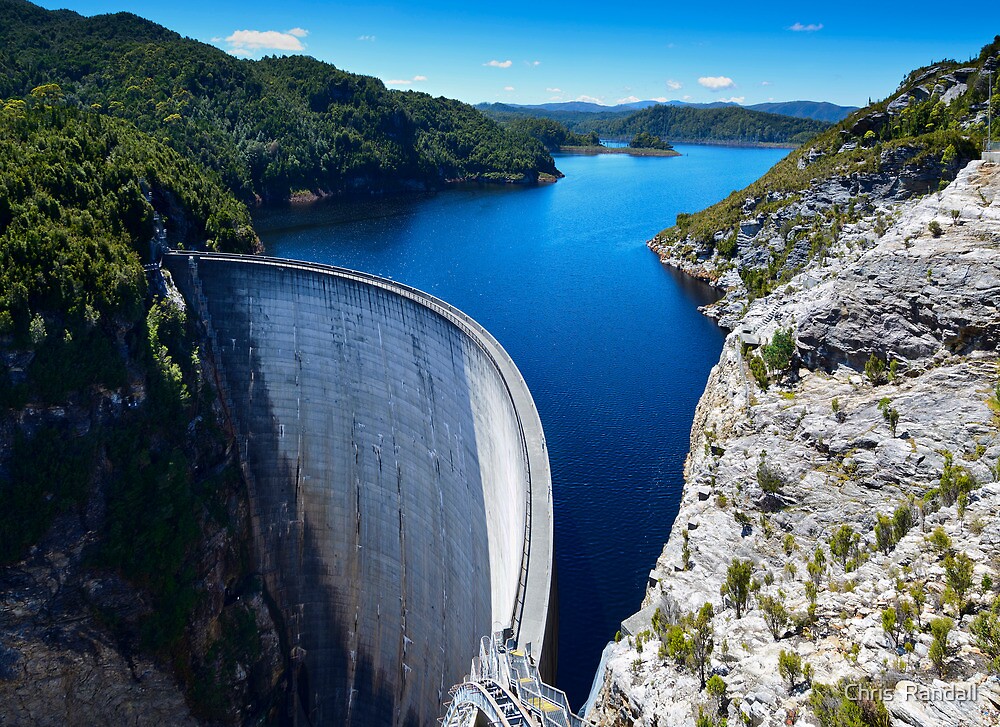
x: 609, y: 340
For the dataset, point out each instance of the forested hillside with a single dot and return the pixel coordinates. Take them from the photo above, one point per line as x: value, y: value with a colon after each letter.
x: 730, y: 124
x: 724, y: 124
x: 111, y: 461
x: 270, y: 128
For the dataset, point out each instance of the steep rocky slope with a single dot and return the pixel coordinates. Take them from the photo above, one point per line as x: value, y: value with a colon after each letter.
x: 875, y: 444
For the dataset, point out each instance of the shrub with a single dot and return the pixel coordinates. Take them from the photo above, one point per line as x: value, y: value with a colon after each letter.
x: 885, y: 535
x: 769, y: 479
x: 844, y: 544
x: 759, y: 371
x: 778, y: 353
x: 958, y: 575
x: 939, y: 540
x: 736, y: 587
x: 940, y: 649
x: 902, y: 520
x: 935, y: 228
x: 790, y: 667
x: 986, y: 628
x: 875, y: 370
x: 775, y: 614
x: 834, y: 708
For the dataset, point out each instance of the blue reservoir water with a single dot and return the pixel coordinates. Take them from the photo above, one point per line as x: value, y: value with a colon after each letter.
x: 609, y: 340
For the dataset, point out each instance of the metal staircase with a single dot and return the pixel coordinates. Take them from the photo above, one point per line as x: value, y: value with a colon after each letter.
x: 505, y: 689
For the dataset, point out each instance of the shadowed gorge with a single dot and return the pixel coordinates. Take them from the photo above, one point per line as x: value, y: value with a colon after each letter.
x: 400, y: 486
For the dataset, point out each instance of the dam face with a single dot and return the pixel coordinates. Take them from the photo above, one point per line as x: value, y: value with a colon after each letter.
x: 399, y: 484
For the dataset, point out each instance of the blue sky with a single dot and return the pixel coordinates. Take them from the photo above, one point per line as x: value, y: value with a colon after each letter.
x: 523, y: 51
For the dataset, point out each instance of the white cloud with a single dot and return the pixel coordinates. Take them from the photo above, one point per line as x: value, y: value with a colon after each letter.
x: 499, y: 64
x: 554, y: 90
x: 765, y: 83
x: 660, y: 99
x: 410, y: 82
x: 734, y: 99
x: 508, y: 88
x: 217, y: 39
x: 298, y: 32
x: 240, y: 52
x: 628, y: 99
x: 686, y: 97
x: 810, y: 28
x: 674, y: 85
x: 588, y: 99
x: 716, y: 83
x: 533, y: 64
x: 252, y: 40
x: 367, y: 38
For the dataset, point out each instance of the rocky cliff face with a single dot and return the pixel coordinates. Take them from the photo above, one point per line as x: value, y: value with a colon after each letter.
x: 774, y: 474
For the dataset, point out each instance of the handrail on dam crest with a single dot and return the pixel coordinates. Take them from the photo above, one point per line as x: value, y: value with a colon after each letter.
x: 534, y: 582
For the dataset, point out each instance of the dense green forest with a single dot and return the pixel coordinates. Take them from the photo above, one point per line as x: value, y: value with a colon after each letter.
x: 551, y: 133
x: 79, y: 331
x: 270, y: 128
x: 730, y: 124
x: 75, y: 215
x: 726, y: 124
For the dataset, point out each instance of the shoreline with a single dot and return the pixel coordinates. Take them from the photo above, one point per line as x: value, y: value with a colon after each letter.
x: 597, y: 150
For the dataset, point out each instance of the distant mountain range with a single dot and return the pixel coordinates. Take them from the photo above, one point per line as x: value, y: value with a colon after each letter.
x: 818, y: 110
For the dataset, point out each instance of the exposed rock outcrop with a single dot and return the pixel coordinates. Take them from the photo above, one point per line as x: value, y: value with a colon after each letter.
x: 840, y: 456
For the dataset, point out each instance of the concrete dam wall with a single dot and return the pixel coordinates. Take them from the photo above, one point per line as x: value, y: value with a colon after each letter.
x: 399, y: 481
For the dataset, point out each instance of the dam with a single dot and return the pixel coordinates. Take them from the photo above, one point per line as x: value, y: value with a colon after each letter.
x: 399, y: 482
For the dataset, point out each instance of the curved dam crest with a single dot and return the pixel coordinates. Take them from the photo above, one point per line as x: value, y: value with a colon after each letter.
x: 400, y: 486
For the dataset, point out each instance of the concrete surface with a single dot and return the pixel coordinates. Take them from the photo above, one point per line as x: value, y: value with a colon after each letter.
x: 398, y: 473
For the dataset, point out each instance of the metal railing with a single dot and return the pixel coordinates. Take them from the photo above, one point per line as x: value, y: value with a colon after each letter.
x: 510, y: 676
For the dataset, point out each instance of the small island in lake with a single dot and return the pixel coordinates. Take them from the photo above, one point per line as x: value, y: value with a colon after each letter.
x: 642, y: 144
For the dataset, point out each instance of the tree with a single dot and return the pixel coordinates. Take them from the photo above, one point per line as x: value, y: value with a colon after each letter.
x: 884, y: 534
x: 790, y: 667
x: 939, y: 651
x: 775, y: 614
x: 955, y: 480
x: 736, y: 587
x: 702, y: 640
x: 958, y: 575
x: 919, y: 595
x: 891, y: 625
x: 843, y: 544
x: 769, y: 479
x: 902, y: 521
x: 778, y: 353
x: 716, y: 687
